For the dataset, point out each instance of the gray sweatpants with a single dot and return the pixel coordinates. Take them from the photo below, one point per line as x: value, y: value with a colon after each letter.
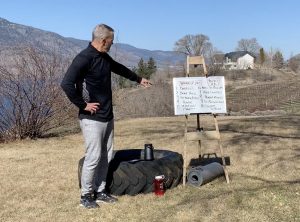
x: 98, y: 139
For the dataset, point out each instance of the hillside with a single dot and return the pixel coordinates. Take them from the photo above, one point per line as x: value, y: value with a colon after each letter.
x: 16, y: 35
x: 248, y: 92
x: 259, y: 90
x: 269, y: 96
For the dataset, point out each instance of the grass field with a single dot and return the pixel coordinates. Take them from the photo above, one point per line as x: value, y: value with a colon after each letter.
x: 39, y: 178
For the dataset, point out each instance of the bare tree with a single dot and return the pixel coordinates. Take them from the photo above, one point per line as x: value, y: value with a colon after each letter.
x: 268, y: 63
x: 215, y: 60
x: 193, y: 45
x: 250, y: 45
x: 294, y: 63
x: 31, y: 100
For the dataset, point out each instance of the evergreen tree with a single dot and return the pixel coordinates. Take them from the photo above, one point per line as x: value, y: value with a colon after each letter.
x: 278, y: 60
x: 141, y: 69
x: 262, y: 57
x: 146, y: 69
x: 151, y: 67
x: 134, y: 69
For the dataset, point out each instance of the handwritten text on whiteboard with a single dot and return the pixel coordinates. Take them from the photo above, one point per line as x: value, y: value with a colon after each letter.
x: 199, y: 95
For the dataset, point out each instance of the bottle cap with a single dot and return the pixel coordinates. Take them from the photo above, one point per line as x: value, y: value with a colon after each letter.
x: 160, y: 177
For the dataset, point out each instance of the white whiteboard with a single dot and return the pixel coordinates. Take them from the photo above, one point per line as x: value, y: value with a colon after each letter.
x: 199, y: 95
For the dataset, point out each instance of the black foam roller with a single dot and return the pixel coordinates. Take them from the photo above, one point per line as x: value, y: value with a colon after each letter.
x: 200, y: 175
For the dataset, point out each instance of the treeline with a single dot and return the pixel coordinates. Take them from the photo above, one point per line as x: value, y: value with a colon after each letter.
x: 200, y: 44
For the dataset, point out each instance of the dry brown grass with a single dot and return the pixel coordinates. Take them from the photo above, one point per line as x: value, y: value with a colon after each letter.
x: 39, y: 178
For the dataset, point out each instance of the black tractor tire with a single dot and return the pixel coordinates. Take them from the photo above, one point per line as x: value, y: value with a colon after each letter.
x: 130, y: 174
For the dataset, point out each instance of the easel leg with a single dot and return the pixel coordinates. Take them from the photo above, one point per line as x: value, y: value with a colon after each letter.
x: 200, y: 150
x: 184, y: 152
x: 184, y: 164
x: 199, y: 141
x: 223, y: 161
x: 221, y: 150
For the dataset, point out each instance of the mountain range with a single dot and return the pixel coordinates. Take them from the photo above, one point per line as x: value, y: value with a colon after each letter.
x: 13, y: 35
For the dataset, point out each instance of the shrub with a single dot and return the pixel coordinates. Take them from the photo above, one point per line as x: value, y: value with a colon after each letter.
x: 31, y: 102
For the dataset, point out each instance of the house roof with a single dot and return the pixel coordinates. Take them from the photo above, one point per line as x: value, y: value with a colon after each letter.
x: 237, y: 54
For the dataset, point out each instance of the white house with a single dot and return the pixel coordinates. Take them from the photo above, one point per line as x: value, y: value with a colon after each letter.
x: 239, y: 60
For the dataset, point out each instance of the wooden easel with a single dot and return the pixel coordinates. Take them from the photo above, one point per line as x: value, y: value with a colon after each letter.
x: 200, y: 134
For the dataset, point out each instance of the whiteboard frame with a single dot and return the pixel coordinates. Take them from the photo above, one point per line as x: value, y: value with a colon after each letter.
x: 183, y: 111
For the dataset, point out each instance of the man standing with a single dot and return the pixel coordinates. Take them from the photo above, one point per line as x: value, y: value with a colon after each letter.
x: 87, y: 83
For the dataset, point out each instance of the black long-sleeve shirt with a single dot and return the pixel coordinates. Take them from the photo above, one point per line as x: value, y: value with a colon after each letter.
x: 92, y: 69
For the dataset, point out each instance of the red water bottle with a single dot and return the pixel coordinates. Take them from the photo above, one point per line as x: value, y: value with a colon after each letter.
x: 159, y: 185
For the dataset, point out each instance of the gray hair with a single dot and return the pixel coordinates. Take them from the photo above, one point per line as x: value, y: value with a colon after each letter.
x: 102, y: 31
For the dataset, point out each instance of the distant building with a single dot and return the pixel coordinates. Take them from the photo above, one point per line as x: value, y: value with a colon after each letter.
x: 238, y: 60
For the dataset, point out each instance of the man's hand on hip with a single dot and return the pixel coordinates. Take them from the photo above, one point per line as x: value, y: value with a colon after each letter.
x: 92, y: 107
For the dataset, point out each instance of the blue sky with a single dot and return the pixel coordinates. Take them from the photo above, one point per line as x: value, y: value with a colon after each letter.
x: 158, y: 24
